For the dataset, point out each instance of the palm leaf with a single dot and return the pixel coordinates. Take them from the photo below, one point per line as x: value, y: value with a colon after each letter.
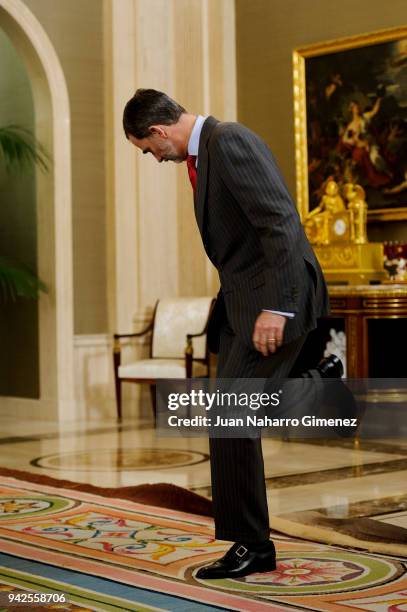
x: 19, y: 147
x: 17, y: 281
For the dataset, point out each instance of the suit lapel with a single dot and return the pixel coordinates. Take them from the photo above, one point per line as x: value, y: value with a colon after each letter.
x: 200, y: 197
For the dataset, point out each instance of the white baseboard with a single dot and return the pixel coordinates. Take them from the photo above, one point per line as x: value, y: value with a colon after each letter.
x: 95, y: 398
x: 27, y: 408
x: 94, y: 378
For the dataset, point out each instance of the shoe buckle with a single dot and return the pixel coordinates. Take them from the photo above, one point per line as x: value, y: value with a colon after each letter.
x: 241, y: 551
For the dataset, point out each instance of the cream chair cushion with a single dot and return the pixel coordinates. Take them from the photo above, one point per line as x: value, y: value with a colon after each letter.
x: 160, y: 368
x: 174, y: 319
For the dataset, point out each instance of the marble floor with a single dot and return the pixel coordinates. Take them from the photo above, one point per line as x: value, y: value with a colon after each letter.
x: 341, y: 477
x: 394, y: 518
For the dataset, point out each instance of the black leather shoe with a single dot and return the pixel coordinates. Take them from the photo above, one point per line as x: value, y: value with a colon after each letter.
x: 339, y: 401
x: 330, y: 367
x: 240, y: 561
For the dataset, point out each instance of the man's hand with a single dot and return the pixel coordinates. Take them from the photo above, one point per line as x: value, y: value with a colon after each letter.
x: 268, y: 332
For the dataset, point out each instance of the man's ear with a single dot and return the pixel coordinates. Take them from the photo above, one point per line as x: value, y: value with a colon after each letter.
x: 159, y: 130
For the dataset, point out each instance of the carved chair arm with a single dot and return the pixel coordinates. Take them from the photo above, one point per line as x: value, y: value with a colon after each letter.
x: 118, y: 337
x: 189, y: 349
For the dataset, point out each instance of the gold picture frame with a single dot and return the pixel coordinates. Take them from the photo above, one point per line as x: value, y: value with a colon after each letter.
x: 316, y: 59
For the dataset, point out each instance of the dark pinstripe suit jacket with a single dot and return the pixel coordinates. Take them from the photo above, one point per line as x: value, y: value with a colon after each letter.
x: 252, y: 233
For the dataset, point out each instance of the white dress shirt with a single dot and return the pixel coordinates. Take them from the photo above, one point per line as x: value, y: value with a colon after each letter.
x: 193, y: 143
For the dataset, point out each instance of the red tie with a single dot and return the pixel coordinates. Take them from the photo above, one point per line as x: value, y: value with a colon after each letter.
x: 191, y: 164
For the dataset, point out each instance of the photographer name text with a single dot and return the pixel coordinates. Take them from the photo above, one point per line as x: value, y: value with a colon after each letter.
x: 256, y: 421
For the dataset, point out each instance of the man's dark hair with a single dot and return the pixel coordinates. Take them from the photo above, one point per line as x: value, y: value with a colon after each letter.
x: 149, y: 107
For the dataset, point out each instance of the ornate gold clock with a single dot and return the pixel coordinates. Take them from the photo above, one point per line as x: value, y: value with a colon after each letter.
x: 338, y: 234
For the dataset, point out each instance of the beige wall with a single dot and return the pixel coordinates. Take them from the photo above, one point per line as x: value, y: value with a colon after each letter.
x: 153, y: 242
x: 75, y: 30
x: 267, y: 31
x: 189, y: 52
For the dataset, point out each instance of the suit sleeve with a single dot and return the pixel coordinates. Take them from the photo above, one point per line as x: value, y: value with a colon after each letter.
x: 250, y: 172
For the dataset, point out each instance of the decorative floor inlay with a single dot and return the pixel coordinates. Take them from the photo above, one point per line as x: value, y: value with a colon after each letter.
x: 394, y: 447
x: 121, y: 459
x: 373, y: 507
x: 81, y: 433
x: 395, y: 518
x: 292, y: 480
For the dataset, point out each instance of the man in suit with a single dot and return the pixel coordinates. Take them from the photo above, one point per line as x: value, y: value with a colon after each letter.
x: 272, y: 292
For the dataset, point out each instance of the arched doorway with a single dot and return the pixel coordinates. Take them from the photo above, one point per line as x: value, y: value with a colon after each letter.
x: 54, y: 218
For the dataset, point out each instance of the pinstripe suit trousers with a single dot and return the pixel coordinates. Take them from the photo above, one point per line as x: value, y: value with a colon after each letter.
x: 237, y: 466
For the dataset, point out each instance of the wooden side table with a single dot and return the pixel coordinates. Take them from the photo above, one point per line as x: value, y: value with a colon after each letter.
x: 359, y: 304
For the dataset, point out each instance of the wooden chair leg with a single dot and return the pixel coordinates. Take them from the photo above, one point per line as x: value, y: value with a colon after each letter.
x: 117, y: 381
x: 154, y: 401
x: 119, y: 399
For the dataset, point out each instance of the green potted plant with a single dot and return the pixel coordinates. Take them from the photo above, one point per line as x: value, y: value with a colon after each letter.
x: 18, y: 148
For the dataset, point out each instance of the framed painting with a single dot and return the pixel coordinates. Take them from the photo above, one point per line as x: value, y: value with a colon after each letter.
x: 350, y: 105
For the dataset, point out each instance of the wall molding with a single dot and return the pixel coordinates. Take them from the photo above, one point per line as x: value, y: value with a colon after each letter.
x: 94, y: 378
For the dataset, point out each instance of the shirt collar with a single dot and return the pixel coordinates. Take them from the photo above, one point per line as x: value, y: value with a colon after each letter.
x: 193, y: 143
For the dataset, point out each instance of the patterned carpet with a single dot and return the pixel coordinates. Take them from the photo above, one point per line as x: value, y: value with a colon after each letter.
x: 111, y: 554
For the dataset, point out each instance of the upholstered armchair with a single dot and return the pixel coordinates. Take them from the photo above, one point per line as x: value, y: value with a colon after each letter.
x: 178, y: 346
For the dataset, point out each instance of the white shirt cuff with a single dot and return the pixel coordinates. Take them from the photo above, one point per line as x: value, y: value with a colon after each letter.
x: 289, y: 315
